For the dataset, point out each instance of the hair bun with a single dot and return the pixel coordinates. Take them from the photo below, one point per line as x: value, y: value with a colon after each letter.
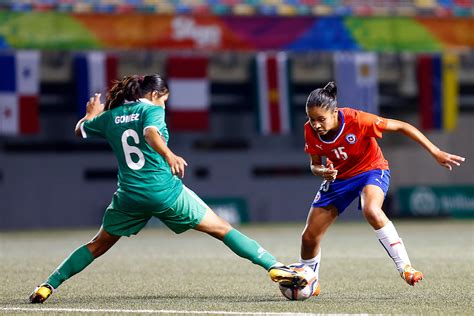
x: 331, y: 88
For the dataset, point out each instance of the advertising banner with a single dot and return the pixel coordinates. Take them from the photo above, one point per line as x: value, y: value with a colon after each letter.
x: 455, y: 201
x: 54, y: 30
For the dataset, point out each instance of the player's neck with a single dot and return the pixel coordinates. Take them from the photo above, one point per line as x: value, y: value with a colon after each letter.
x: 332, y: 133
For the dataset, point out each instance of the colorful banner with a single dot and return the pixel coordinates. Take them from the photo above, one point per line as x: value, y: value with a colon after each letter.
x: 356, y: 81
x: 273, y: 85
x: 94, y: 73
x: 190, y: 95
x: 19, y: 93
x: 438, y: 88
x: 214, y: 33
x: 456, y: 201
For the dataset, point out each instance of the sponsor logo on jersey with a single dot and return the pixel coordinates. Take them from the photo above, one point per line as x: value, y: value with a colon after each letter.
x: 351, y: 138
x: 319, y: 146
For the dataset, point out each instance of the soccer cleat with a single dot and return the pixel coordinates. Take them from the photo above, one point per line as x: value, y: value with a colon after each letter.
x: 287, y: 276
x: 317, y: 291
x: 410, y: 275
x: 41, y: 293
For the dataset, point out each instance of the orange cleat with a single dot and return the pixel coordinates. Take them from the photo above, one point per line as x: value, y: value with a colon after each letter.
x: 317, y: 291
x: 410, y: 275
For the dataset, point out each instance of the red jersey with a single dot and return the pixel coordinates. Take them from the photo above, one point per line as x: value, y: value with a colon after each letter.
x: 354, y: 149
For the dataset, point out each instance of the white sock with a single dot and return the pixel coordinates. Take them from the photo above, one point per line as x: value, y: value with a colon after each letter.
x: 394, y: 246
x: 313, y: 263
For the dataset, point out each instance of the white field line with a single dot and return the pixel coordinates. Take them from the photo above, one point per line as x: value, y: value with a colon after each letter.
x: 149, y: 311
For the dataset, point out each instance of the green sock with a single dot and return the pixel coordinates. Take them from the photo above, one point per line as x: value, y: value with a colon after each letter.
x: 249, y: 249
x: 75, y: 263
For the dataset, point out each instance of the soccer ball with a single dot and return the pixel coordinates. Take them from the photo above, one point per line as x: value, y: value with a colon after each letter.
x: 294, y: 293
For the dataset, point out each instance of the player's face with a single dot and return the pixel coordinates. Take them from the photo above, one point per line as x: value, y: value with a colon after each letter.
x: 160, y: 100
x: 322, y: 120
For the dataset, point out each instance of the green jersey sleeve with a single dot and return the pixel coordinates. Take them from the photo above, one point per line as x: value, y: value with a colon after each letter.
x: 95, y: 127
x: 154, y: 116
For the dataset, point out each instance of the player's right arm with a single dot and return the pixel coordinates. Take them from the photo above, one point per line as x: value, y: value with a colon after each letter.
x: 93, y: 109
x: 320, y: 170
x: 176, y: 163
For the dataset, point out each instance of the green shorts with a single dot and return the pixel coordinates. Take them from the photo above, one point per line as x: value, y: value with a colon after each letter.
x: 185, y: 213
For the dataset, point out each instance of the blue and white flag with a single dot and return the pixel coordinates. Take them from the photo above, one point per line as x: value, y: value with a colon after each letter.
x: 19, y: 91
x: 357, y: 80
x: 94, y: 72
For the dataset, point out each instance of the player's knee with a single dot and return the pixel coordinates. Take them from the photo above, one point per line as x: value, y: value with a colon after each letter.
x: 98, y: 247
x: 218, y: 228
x: 309, y: 239
x: 374, y: 215
x: 219, y: 231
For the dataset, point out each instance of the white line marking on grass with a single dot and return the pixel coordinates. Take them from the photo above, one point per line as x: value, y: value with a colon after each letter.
x: 142, y: 311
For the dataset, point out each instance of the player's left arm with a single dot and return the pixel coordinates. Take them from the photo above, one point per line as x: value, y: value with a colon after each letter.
x: 176, y: 163
x: 443, y: 158
x: 93, y: 109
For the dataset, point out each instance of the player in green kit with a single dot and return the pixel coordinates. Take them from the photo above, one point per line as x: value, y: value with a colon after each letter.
x: 149, y: 184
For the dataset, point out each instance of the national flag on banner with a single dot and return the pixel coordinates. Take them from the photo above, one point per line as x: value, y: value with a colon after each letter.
x: 438, y: 88
x: 190, y: 95
x: 273, y: 91
x: 19, y: 92
x: 357, y: 80
x: 94, y: 72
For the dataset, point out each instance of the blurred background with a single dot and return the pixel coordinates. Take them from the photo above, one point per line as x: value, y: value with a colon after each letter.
x: 239, y: 74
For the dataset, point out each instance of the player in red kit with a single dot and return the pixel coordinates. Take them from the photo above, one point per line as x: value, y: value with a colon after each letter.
x: 354, y: 167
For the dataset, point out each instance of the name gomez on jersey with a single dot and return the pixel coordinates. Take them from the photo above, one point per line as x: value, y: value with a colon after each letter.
x: 354, y: 149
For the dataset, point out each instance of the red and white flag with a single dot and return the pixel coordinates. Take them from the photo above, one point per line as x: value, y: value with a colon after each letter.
x: 190, y: 99
x: 19, y: 89
x: 273, y: 81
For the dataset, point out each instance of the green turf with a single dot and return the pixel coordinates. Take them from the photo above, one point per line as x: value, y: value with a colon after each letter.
x: 158, y: 270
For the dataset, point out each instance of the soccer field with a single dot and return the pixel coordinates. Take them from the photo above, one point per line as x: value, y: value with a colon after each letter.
x: 159, y: 272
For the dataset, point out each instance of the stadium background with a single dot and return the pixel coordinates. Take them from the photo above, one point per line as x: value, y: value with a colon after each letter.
x: 50, y: 179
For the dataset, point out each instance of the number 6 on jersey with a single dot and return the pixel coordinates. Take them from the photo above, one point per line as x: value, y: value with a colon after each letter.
x: 129, y: 150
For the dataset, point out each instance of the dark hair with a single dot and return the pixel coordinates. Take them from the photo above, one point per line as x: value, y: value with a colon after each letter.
x: 132, y: 88
x: 323, y: 97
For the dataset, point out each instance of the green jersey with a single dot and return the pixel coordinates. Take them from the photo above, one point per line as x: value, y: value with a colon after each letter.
x: 145, y: 181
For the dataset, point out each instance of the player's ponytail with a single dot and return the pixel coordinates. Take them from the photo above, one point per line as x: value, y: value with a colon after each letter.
x: 132, y: 88
x: 331, y: 89
x: 323, y: 97
x: 127, y: 89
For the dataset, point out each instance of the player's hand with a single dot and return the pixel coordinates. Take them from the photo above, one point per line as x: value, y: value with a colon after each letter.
x: 94, y: 107
x: 329, y: 173
x: 448, y: 160
x: 177, y: 165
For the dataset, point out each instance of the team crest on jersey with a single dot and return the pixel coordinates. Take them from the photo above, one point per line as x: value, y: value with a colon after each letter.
x: 351, y: 138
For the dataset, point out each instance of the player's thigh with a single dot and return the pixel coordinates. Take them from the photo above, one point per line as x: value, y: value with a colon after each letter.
x: 187, y: 212
x: 318, y: 221
x: 123, y: 223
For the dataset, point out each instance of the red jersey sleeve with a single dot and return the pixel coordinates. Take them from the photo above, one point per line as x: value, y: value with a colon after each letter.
x: 309, y: 141
x: 370, y: 124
